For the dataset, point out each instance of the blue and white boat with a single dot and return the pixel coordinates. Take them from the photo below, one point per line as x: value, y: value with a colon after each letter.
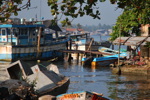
x: 30, y: 40
x: 100, y: 61
x: 114, y: 53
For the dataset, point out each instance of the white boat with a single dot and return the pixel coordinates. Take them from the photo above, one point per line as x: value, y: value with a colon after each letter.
x: 84, y: 42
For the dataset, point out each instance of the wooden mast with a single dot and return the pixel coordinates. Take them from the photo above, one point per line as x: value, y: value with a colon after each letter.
x: 38, y: 42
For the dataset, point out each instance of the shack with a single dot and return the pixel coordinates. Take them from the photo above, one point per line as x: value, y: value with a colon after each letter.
x: 136, y: 43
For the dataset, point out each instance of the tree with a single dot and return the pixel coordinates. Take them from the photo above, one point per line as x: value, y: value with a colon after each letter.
x: 135, y: 11
x: 8, y: 7
x: 131, y: 19
x: 74, y: 9
x: 79, y: 26
x: 79, y: 8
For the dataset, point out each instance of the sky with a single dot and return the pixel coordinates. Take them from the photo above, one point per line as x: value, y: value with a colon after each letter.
x: 40, y: 9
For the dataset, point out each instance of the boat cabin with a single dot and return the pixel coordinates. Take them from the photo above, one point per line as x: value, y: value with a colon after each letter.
x: 25, y: 34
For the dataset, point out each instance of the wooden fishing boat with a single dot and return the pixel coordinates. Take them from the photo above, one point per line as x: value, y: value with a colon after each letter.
x: 101, y: 61
x: 104, y: 61
x: 81, y: 95
x: 29, y: 40
x: 84, y: 41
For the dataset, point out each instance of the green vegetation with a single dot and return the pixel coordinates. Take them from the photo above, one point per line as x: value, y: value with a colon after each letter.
x: 147, y: 44
x: 136, y: 13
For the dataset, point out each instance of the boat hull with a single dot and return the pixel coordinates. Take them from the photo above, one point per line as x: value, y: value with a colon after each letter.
x: 13, y: 53
x: 101, y: 61
x: 59, y: 89
x: 104, y: 62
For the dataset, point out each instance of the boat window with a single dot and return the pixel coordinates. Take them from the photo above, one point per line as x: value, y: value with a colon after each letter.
x: 8, y: 31
x: 33, y: 34
x: 24, y: 32
x: 33, y: 39
x: 15, y: 31
x: 4, y: 39
x: 3, y: 32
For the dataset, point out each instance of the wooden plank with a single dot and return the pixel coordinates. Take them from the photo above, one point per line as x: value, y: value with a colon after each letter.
x: 80, y: 51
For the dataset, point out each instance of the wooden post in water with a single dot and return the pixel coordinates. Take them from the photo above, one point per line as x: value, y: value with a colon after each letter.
x: 70, y: 46
x: 78, y: 57
x: 90, y: 44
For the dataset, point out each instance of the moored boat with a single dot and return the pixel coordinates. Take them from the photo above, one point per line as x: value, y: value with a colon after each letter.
x: 81, y: 95
x: 102, y: 61
x: 29, y: 40
x: 106, y: 60
x: 114, y: 53
x: 84, y: 41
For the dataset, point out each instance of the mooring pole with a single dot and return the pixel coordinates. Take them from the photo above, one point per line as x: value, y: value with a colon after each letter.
x: 119, y: 70
x: 39, y: 39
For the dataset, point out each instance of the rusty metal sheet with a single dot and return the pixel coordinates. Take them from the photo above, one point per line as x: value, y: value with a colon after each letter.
x: 121, y: 40
x: 147, y: 40
x: 134, y: 41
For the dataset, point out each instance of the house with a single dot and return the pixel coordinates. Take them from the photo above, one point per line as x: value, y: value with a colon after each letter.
x: 73, y: 31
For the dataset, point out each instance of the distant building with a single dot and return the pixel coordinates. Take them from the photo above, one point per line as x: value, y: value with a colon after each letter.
x: 103, y: 31
x: 73, y: 31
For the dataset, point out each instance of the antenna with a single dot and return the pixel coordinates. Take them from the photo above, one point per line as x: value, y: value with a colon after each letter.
x: 40, y: 10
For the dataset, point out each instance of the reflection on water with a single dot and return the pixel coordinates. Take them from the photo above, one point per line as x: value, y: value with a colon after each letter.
x: 101, y: 80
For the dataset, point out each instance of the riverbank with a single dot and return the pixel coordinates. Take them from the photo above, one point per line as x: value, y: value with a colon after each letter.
x: 132, y: 70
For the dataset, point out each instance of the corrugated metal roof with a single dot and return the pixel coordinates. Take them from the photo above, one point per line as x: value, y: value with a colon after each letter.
x: 131, y: 41
x: 147, y: 40
x: 135, y: 41
x: 122, y: 40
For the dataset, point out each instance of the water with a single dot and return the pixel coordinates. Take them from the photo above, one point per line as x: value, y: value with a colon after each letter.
x: 101, y: 80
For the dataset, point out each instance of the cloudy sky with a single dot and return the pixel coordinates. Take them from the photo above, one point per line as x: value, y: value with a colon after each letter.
x: 40, y: 9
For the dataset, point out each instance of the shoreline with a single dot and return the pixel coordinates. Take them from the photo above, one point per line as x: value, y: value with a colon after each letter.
x: 132, y: 70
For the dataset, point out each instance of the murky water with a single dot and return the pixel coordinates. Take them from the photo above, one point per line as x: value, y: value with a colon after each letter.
x: 101, y: 80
